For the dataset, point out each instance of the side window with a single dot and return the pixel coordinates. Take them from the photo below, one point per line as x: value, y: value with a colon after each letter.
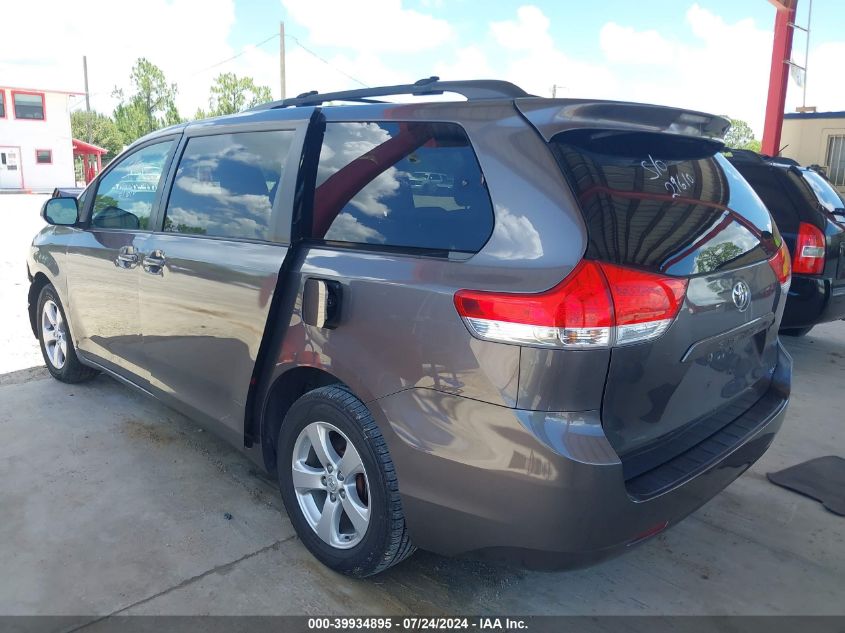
x: 125, y: 195
x: 414, y: 185
x: 226, y: 184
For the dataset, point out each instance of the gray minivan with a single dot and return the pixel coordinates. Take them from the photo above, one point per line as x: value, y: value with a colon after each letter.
x: 560, y: 355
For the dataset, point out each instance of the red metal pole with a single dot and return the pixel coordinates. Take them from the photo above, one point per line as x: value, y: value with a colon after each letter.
x: 778, y: 76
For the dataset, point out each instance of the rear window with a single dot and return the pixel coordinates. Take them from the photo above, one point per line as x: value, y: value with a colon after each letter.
x: 779, y: 191
x: 827, y: 195
x: 669, y: 204
x: 402, y: 185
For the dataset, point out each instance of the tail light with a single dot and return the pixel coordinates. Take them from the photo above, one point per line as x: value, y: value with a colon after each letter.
x: 597, y: 305
x: 809, y: 250
x: 781, y: 266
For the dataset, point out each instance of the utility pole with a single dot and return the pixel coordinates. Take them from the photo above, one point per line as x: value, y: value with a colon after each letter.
x: 85, y: 74
x: 87, y: 99
x: 282, y: 57
x: 554, y: 90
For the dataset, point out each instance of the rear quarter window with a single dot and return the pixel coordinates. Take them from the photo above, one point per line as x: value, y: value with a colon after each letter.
x: 664, y: 203
x: 402, y: 185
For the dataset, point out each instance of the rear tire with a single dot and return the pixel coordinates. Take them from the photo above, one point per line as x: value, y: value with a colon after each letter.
x: 56, y: 341
x: 351, y: 521
x: 797, y: 331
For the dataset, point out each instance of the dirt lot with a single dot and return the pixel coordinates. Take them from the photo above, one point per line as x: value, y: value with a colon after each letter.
x: 112, y: 503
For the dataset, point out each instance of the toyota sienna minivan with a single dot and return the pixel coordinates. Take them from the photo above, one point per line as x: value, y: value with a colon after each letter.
x: 560, y: 355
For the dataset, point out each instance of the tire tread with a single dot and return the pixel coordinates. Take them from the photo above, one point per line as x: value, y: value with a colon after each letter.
x: 398, y: 544
x: 73, y: 371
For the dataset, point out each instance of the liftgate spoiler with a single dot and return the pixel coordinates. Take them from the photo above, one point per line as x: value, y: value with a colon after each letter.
x: 552, y: 116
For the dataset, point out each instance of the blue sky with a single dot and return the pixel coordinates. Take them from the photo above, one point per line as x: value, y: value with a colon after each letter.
x: 711, y: 55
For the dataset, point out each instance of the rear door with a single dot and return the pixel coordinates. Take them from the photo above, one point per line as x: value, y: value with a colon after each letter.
x: 207, y: 277
x: 103, y: 259
x: 671, y: 204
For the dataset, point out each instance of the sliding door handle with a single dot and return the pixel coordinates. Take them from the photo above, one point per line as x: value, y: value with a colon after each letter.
x: 154, y: 262
x: 127, y: 257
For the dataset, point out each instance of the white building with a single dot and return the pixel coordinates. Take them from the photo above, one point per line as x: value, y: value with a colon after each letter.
x: 36, y: 148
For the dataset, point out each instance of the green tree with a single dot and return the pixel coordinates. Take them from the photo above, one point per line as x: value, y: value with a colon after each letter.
x: 99, y: 129
x: 741, y: 136
x: 713, y: 257
x: 231, y: 94
x: 149, y: 105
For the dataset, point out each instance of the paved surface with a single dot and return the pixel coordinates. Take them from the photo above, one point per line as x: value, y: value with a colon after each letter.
x: 112, y: 503
x: 20, y: 219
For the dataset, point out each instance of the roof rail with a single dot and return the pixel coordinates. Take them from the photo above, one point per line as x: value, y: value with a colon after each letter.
x: 744, y: 154
x: 471, y: 89
x: 752, y: 156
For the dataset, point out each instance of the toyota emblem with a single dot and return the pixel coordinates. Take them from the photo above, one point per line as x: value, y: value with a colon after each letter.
x: 741, y: 295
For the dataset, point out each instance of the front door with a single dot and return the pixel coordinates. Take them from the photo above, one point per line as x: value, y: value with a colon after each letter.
x: 10, y: 168
x: 208, y: 277
x: 104, y: 261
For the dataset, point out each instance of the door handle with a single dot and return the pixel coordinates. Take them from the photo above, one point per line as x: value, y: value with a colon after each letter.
x: 127, y: 257
x: 154, y: 263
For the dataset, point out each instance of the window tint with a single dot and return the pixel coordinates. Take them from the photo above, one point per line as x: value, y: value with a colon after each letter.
x: 43, y: 156
x: 663, y: 202
x: 226, y: 184
x: 827, y: 195
x: 413, y: 185
x: 772, y: 185
x: 126, y: 193
x: 28, y: 106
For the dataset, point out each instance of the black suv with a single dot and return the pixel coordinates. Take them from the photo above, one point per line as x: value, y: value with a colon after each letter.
x: 810, y: 214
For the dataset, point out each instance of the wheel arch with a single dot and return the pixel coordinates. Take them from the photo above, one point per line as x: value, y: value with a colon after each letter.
x: 285, y: 389
x: 39, y: 280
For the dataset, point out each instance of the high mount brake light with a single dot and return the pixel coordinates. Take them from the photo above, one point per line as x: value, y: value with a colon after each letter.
x: 597, y: 305
x: 809, y: 250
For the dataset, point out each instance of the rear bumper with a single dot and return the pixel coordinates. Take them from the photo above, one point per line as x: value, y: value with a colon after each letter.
x: 545, y: 490
x: 813, y: 300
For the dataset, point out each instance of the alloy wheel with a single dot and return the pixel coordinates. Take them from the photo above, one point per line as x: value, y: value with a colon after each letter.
x: 331, y: 485
x: 54, y: 334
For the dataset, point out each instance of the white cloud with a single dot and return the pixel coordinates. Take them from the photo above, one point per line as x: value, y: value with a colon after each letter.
x: 368, y: 26
x: 626, y: 45
x: 722, y: 68
x: 707, y: 63
x: 469, y: 62
x: 112, y: 35
x: 535, y: 63
x: 530, y: 30
x: 824, y: 83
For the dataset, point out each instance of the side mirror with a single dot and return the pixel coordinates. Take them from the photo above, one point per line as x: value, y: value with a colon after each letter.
x: 60, y: 211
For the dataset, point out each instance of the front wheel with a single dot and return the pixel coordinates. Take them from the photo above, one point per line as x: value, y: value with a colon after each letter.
x: 56, y: 343
x: 339, y: 484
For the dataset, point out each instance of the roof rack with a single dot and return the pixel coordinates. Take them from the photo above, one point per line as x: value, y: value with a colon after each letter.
x: 471, y: 89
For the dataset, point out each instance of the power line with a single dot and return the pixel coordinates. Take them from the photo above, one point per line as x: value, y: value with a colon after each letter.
x: 325, y: 61
x: 243, y: 52
x: 233, y: 57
